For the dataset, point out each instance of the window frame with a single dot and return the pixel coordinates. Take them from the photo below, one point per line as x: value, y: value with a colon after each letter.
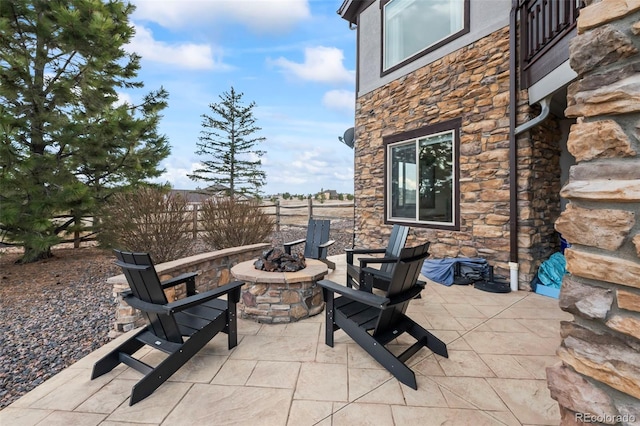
x: 453, y: 126
x: 427, y: 49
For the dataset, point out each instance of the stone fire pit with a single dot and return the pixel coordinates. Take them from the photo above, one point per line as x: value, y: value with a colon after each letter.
x: 280, y: 297
x: 276, y: 260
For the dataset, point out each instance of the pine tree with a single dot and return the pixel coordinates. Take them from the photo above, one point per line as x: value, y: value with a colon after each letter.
x: 64, y: 145
x: 228, y: 144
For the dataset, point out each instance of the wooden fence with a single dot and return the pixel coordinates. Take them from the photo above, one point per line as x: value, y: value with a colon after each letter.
x: 299, y: 214
x: 286, y: 214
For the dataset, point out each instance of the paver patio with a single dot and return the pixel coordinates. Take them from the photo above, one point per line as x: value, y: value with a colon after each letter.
x: 499, y: 346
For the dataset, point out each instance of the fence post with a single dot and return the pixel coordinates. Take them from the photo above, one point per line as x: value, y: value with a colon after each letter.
x: 195, y: 221
x: 277, y: 215
x: 77, y: 221
x: 310, y: 208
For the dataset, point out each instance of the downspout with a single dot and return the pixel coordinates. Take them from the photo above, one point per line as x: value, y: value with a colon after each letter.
x: 545, y: 103
x: 514, y: 131
x: 513, y: 148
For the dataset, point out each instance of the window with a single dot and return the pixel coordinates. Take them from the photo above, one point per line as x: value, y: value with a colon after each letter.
x: 422, y: 176
x: 412, y: 28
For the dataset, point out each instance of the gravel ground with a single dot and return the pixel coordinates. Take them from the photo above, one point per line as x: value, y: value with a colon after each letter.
x: 45, y: 322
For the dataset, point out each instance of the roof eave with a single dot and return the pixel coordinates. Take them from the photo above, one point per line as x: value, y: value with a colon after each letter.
x: 349, y: 10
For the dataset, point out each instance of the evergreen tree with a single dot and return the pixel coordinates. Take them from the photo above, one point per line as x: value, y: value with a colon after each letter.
x: 64, y: 145
x: 227, y: 142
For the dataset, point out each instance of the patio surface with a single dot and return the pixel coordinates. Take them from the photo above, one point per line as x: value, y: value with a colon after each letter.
x: 499, y: 346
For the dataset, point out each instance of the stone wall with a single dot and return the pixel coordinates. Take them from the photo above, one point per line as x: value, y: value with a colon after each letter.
x: 213, y: 271
x: 472, y: 84
x: 599, y: 377
x: 538, y: 196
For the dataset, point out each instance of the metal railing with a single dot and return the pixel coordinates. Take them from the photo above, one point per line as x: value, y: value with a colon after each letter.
x: 542, y: 24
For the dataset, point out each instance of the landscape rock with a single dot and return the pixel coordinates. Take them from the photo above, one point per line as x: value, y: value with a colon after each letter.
x: 622, y: 97
x: 628, y: 300
x: 585, y: 300
x: 624, y: 191
x: 605, y: 11
x: 577, y: 394
x: 603, y: 228
x: 604, y: 268
x: 625, y: 324
x: 599, y: 139
x: 602, y: 46
x: 601, y: 357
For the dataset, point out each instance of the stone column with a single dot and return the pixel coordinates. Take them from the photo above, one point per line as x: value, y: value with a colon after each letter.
x: 599, y: 378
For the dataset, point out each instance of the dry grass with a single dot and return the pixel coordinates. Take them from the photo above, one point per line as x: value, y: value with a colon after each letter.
x: 296, y: 212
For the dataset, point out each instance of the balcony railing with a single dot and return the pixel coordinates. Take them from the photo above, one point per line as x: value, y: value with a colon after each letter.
x: 546, y: 26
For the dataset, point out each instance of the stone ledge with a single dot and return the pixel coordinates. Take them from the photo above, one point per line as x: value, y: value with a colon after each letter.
x: 603, y: 228
x: 624, y: 191
x: 604, y: 12
x: 196, y: 260
x: 603, y: 268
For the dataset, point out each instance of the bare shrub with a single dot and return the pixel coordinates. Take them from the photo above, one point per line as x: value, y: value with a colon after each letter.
x: 147, y: 220
x: 229, y: 222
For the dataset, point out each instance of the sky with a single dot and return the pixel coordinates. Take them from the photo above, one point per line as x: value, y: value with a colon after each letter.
x: 294, y: 58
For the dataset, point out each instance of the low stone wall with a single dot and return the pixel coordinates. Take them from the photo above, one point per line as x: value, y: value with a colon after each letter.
x: 214, y: 270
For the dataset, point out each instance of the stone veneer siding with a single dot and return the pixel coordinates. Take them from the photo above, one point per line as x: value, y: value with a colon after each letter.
x: 472, y: 84
x: 599, y: 377
x: 213, y: 268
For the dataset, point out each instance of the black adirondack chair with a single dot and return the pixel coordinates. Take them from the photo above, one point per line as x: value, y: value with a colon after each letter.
x: 316, y: 243
x: 374, y: 320
x: 198, y: 316
x: 397, y: 240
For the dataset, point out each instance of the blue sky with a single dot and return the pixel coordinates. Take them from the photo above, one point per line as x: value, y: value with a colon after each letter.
x: 294, y: 58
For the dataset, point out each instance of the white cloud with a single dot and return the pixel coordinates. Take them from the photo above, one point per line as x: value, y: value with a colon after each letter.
x: 321, y: 64
x: 309, y: 170
x: 175, y: 173
x: 123, y: 98
x: 340, y: 100
x: 257, y: 15
x: 182, y: 55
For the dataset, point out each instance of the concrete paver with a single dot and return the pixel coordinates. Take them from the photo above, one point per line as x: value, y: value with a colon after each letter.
x: 284, y: 374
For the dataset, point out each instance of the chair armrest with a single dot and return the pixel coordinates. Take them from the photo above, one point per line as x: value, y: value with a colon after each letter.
x: 351, y: 251
x: 327, y: 244
x: 181, y: 304
x: 134, y: 302
x: 322, y: 249
x: 198, y: 299
x: 376, y: 273
x: 366, y: 260
x: 364, y: 251
x: 171, y: 282
x: 287, y: 246
x: 409, y: 294
x: 293, y: 243
x: 371, y: 278
x: 359, y: 296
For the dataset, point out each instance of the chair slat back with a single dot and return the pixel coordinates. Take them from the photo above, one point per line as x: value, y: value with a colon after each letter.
x: 317, y: 233
x: 397, y: 240
x: 146, y: 286
x: 405, y: 275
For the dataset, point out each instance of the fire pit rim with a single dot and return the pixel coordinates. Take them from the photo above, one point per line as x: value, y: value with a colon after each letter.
x: 245, y: 271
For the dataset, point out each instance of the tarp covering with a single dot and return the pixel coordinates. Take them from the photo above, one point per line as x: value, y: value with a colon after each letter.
x: 552, y: 270
x: 442, y: 271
